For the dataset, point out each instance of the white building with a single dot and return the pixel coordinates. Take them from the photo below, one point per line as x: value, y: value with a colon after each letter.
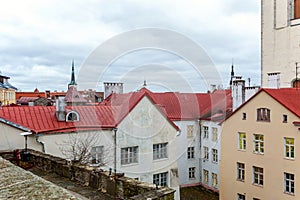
x: 146, y: 144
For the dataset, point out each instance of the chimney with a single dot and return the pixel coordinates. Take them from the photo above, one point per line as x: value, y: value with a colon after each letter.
x: 238, y: 93
x: 60, y: 109
x: 274, y: 80
x: 112, y: 88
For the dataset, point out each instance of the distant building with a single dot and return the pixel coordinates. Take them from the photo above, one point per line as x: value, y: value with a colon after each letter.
x: 280, y: 43
x: 259, y: 157
x: 110, y: 87
x: 7, y: 91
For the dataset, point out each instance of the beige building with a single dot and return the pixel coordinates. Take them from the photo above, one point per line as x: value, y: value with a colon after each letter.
x: 280, y: 42
x: 259, y: 158
x: 7, y: 91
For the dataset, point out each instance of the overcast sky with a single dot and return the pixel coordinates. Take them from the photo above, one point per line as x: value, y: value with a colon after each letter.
x: 39, y: 40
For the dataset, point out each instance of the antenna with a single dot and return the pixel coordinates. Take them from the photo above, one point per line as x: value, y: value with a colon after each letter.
x: 249, y: 81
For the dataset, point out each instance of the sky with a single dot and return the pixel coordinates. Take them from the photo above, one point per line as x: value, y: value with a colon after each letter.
x: 163, y: 42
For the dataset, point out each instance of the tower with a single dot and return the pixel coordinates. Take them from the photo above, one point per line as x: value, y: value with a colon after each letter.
x: 72, y: 82
x: 280, y: 27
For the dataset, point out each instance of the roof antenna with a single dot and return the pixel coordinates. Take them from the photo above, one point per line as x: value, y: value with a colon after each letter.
x: 145, y: 84
x: 249, y: 81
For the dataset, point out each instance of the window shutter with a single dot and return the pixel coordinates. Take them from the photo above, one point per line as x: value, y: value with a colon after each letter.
x: 296, y: 9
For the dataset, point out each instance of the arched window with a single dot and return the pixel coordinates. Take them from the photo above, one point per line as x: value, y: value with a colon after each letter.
x: 72, y: 116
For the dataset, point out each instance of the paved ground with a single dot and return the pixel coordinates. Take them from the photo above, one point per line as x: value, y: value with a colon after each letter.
x: 197, y: 193
x: 83, y: 192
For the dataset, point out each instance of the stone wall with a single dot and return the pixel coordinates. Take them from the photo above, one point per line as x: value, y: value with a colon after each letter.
x: 125, y: 188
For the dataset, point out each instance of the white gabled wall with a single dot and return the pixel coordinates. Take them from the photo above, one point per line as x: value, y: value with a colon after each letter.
x: 144, y: 126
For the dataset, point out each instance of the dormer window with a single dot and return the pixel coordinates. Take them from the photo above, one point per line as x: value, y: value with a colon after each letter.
x: 263, y: 114
x: 72, y: 116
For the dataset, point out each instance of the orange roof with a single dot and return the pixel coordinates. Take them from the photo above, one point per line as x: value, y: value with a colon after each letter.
x: 178, y: 106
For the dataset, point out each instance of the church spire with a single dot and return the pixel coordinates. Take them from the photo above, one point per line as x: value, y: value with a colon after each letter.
x: 72, y: 83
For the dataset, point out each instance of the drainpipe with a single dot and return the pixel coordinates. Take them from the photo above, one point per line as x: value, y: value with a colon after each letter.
x: 41, y: 142
x: 200, y: 159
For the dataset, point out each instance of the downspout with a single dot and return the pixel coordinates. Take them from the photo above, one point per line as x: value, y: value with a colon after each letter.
x: 200, y: 159
x: 41, y: 142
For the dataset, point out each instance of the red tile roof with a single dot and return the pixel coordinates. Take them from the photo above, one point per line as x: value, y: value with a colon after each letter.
x: 42, y: 119
x: 178, y: 106
x: 287, y: 97
x: 73, y: 96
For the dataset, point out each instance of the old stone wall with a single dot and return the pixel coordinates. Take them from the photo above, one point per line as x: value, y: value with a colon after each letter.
x: 123, y: 187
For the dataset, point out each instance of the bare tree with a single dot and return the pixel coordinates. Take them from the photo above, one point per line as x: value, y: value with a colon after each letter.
x: 79, y: 148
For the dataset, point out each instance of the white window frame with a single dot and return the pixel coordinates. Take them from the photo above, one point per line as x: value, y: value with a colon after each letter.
x: 191, y: 153
x: 289, y: 183
x: 160, y: 179
x: 205, y: 176
x: 258, y: 144
x: 214, y: 132
x: 205, y: 132
x: 258, y: 176
x: 160, y: 151
x: 214, y: 153
x: 240, y: 171
x: 289, y: 148
x: 74, y: 113
x: 97, y: 154
x: 129, y: 155
x: 205, y: 153
x: 192, y: 172
x: 214, y: 180
x: 242, y: 141
x: 190, y: 131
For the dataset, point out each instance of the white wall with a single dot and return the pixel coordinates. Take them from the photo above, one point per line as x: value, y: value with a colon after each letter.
x: 209, y: 165
x: 184, y: 142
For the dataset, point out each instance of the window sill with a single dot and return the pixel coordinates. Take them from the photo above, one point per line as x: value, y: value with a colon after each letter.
x: 241, y: 180
x: 214, y: 162
x: 258, y: 185
x: 191, y: 159
x: 160, y: 159
x: 295, y: 22
x: 291, y: 159
x: 289, y: 193
x: 258, y: 153
x: 129, y: 164
x: 243, y: 150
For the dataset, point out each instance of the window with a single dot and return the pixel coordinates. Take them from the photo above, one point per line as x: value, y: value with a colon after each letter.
x: 284, y: 118
x: 190, y: 129
x: 242, y: 141
x: 258, y: 143
x: 244, y: 116
x: 192, y: 172
x: 241, y: 197
x: 214, y: 131
x: 160, y: 151
x: 289, y: 147
x: 289, y: 183
x: 263, y: 114
x: 214, y: 153
x: 205, y: 176
x: 205, y: 131
x: 97, y: 154
x: 258, y: 176
x: 240, y: 171
x: 72, y: 116
x: 214, y: 178
x: 129, y: 155
x: 191, y: 152
x: 161, y: 179
x: 205, y: 152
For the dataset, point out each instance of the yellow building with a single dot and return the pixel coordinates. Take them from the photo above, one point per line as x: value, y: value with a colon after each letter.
x: 259, y: 142
x: 7, y: 91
